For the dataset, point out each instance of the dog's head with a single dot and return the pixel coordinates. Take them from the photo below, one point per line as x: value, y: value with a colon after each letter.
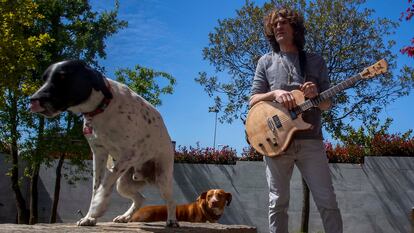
x: 214, y: 200
x: 66, y: 84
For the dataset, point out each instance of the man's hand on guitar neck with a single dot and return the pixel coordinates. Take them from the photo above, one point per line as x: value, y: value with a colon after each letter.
x: 309, y: 89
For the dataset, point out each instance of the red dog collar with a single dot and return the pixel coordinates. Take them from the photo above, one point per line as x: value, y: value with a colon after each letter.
x: 87, y: 128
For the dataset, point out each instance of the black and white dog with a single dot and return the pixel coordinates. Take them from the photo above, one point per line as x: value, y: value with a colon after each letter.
x: 117, y: 122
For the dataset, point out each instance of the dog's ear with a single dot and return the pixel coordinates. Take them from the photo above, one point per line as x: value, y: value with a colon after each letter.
x: 228, y: 198
x: 98, y: 81
x: 202, y: 197
x: 99, y: 84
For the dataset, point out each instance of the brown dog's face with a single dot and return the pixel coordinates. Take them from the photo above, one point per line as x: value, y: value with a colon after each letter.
x: 215, y: 199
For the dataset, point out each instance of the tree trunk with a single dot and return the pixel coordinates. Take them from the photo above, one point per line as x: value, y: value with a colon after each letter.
x: 57, y: 188
x: 304, y: 226
x: 34, y: 194
x: 22, y: 212
x: 56, y: 194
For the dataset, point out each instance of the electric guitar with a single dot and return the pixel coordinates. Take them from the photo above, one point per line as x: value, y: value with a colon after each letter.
x: 270, y: 126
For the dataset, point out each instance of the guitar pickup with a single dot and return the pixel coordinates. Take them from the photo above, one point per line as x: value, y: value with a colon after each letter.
x: 277, y: 122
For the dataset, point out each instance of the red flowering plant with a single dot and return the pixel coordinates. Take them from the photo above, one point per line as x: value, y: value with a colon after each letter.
x: 371, y: 140
x: 408, y: 15
x: 380, y: 144
x: 208, y: 155
x: 250, y: 154
x: 409, y: 50
x: 344, y: 153
x: 392, y: 144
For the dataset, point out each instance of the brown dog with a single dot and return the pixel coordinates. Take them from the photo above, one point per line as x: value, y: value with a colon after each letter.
x: 209, y: 206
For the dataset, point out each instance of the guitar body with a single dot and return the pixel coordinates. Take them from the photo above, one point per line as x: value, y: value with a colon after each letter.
x: 270, y: 126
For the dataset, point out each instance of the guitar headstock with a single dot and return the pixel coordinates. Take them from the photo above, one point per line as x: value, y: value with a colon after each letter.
x: 379, y: 67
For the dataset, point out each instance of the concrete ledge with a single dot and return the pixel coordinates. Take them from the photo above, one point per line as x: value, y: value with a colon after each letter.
x: 156, y: 227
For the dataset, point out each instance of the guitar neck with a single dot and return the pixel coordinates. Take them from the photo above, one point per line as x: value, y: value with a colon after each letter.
x: 331, y: 92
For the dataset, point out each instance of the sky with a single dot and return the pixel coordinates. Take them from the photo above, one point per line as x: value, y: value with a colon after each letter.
x: 169, y: 36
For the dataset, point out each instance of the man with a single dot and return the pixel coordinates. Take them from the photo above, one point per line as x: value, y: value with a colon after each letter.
x: 284, y: 69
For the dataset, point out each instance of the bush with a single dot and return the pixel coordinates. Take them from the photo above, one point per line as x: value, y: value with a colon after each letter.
x: 250, y: 154
x: 392, y: 145
x: 380, y: 144
x: 225, y: 155
x: 344, y: 154
x: 337, y: 154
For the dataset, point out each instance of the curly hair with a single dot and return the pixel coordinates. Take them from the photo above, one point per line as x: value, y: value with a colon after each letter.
x: 295, y: 20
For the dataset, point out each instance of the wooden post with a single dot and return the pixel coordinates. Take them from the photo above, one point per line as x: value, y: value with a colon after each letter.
x: 412, y: 219
x: 304, y: 226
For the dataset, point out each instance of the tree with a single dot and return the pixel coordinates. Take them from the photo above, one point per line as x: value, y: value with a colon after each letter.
x: 143, y: 81
x: 18, y: 56
x: 407, y: 15
x: 71, y: 30
x: 348, y: 38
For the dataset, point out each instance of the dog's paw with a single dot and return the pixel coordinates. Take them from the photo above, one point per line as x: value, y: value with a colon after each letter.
x: 86, y: 221
x: 122, y: 219
x: 172, y: 223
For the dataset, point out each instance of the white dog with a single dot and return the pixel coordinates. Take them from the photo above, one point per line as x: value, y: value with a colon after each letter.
x: 119, y: 123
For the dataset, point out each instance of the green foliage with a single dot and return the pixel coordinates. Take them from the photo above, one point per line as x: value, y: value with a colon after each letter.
x: 347, y: 36
x: 18, y: 49
x: 235, y: 47
x: 18, y: 54
x: 78, y: 32
x: 143, y: 81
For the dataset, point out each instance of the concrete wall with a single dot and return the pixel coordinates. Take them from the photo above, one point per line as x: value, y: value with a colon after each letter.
x: 8, y: 211
x: 374, y: 197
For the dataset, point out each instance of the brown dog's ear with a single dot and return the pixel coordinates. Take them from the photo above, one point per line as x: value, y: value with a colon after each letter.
x: 228, y: 198
x: 202, y: 196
